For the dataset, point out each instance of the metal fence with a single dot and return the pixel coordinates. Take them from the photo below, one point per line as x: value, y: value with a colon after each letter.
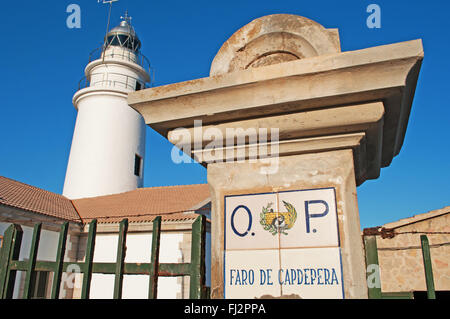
x: 371, y: 251
x: 10, y: 264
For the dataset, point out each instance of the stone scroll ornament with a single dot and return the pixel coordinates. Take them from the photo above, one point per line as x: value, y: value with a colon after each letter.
x: 278, y: 222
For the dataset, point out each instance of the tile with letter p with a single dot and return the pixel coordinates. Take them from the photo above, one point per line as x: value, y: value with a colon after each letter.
x: 309, y: 218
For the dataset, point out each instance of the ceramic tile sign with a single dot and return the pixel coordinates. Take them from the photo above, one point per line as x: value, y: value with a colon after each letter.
x: 307, y: 273
x: 242, y: 222
x: 284, y: 243
x: 311, y: 273
x: 251, y: 273
x: 314, y: 218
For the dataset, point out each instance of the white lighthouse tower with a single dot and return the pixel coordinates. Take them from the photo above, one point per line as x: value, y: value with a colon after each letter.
x: 108, y: 143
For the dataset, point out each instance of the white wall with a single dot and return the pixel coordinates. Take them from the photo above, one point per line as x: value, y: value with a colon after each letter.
x: 108, y: 134
x: 48, y: 245
x: 138, y: 250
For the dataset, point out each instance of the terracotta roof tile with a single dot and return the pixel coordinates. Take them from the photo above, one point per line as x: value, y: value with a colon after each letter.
x: 30, y: 198
x: 175, y: 217
x: 144, y: 204
x: 173, y: 203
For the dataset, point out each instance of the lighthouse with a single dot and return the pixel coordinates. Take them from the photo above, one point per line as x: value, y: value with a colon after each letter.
x: 108, y: 145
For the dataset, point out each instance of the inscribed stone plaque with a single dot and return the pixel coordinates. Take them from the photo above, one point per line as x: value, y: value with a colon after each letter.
x: 284, y: 243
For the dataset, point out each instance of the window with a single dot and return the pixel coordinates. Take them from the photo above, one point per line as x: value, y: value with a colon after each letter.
x: 138, y: 86
x: 137, y: 165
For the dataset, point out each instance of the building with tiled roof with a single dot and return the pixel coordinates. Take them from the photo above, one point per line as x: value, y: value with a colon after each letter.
x: 20, y: 196
x: 178, y: 206
x: 143, y: 204
x: 172, y: 203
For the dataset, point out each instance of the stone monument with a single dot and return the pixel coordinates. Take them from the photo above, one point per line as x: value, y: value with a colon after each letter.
x: 290, y: 126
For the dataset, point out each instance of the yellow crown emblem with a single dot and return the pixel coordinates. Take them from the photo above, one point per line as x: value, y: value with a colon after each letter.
x: 278, y: 222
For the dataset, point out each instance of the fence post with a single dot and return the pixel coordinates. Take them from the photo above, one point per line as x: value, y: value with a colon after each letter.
x: 428, y: 267
x: 59, y: 260
x: 31, y: 275
x: 156, y: 237
x: 121, y: 251
x: 370, y: 244
x: 87, y: 269
x: 197, y: 279
x: 10, y: 251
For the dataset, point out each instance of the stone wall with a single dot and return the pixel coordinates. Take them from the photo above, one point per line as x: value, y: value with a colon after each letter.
x: 401, y: 261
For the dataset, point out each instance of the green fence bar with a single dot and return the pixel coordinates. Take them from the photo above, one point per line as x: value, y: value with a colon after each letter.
x: 197, y: 279
x: 10, y: 263
x: 398, y: 295
x: 10, y: 251
x: 31, y: 274
x: 61, y: 251
x: 121, y: 250
x: 370, y: 244
x: 4, y: 257
x: 154, y: 270
x: 87, y: 269
x: 428, y: 267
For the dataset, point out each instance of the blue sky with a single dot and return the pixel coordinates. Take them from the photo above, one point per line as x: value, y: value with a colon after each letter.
x: 42, y: 61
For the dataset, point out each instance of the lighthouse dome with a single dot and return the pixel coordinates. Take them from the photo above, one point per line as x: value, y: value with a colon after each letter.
x: 123, y: 36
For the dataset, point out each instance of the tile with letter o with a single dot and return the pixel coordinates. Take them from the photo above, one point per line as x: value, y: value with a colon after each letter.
x: 244, y: 224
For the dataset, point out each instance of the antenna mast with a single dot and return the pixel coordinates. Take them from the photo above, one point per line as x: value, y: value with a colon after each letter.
x: 110, y: 2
